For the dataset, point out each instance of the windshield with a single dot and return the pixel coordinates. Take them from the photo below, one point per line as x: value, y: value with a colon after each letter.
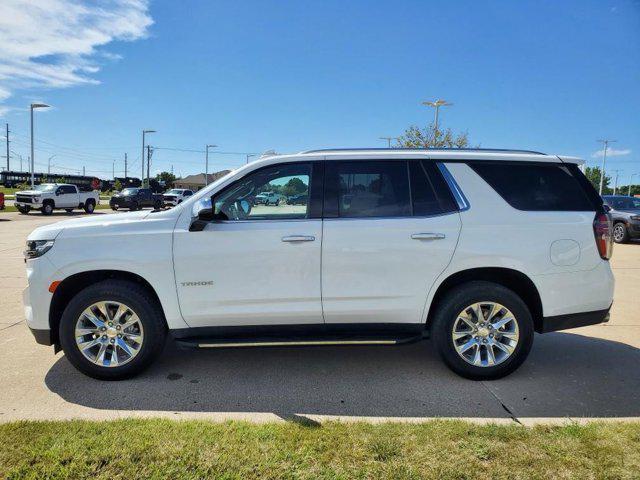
x: 45, y: 187
x: 175, y: 191
x: 130, y: 191
x: 624, y: 203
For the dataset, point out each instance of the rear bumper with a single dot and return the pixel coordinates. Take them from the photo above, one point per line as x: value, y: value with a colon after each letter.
x: 574, y: 320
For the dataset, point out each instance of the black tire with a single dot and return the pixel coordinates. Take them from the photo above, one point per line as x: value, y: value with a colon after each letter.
x: 277, y: 202
x: 134, y: 206
x: 68, y: 210
x: 461, y: 297
x: 90, y: 206
x: 157, y: 206
x: 620, y: 233
x: 114, y: 207
x: 24, y: 210
x: 141, y: 302
x: 47, y: 208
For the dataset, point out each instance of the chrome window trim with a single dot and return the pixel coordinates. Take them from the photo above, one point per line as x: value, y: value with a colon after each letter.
x: 461, y: 200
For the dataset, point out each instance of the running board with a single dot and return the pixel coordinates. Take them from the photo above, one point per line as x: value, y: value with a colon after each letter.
x: 277, y: 342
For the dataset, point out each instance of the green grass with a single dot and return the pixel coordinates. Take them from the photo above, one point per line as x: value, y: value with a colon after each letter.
x: 8, y: 191
x: 197, y: 449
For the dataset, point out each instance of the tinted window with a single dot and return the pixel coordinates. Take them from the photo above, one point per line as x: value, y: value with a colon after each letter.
x: 68, y: 189
x: 429, y: 192
x: 536, y: 187
x: 267, y: 195
x: 370, y: 189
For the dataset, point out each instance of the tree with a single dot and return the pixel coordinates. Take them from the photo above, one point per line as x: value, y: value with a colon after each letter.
x: 117, y: 185
x: 167, y: 177
x: 294, y: 187
x: 593, y: 174
x: 429, y: 137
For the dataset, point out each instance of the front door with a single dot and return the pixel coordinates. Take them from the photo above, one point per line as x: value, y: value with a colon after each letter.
x: 390, y: 229
x: 254, y: 264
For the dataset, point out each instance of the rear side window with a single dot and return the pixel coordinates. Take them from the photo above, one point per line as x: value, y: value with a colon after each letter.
x: 369, y: 189
x: 536, y: 187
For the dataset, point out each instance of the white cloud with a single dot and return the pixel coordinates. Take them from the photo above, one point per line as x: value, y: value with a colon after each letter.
x: 55, y: 43
x: 612, y: 152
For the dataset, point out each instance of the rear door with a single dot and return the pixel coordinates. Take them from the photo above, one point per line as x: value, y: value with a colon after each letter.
x: 68, y: 196
x: 390, y: 228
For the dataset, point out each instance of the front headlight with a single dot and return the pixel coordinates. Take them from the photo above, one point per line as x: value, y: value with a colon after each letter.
x: 35, y: 199
x: 635, y: 217
x: 37, y: 248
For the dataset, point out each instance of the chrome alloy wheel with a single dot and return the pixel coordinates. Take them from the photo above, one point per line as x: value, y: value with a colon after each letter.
x: 485, y: 334
x: 109, y: 334
x: 618, y: 232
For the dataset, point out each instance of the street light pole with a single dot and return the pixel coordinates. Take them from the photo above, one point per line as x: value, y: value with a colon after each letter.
x: 437, y: 104
x: 604, y: 161
x: 33, y: 107
x: 250, y: 155
x: 615, y: 185
x: 49, y: 165
x: 388, y: 139
x: 144, y: 132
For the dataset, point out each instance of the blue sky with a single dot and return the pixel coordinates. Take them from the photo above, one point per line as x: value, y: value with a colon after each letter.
x: 251, y: 76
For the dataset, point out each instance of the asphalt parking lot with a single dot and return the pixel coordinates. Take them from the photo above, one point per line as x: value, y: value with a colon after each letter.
x: 578, y: 374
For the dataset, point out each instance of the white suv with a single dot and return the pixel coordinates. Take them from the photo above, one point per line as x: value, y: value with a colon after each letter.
x: 477, y: 249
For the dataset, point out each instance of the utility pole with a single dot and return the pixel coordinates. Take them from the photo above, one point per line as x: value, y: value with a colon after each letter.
x: 388, y: 139
x: 437, y: 104
x: 631, y: 181
x: 206, y: 164
x: 83, y: 171
x: 113, y: 169
x: 149, y: 153
x: 125, y: 165
x: 615, y: 185
x: 7, y: 125
x: 144, y: 132
x: 604, y: 161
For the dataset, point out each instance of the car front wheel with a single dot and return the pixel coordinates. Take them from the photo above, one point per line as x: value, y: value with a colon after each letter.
x: 112, y: 330
x: 620, y: 234
x: 482, y: 330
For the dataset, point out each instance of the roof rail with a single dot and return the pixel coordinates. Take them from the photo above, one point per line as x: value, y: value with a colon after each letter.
x: 496, y: 150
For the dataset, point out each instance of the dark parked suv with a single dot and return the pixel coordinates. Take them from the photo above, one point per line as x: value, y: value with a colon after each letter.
x: 625, y: 213
x: 135, y: 199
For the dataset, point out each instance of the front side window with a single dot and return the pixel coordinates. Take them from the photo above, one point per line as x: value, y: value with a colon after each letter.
x: 368, y: 189
x: 280, y: 192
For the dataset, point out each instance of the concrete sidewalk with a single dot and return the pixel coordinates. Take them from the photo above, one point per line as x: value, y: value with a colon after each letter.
x: 591, y: 372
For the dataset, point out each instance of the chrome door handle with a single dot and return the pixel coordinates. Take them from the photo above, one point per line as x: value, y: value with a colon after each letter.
x: 428, y: 236
x: 298, y: 238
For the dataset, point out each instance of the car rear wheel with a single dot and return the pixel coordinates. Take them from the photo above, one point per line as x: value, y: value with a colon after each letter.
x: 482, y: 330
x: 89, y: 207
x: 112, y: 330
x: 134, y: 206
x: 620, y: 234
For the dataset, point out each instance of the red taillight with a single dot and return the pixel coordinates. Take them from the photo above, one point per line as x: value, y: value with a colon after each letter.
x: 604, y: 236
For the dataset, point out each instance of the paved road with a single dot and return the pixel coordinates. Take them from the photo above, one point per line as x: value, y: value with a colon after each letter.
x: 583, y: 373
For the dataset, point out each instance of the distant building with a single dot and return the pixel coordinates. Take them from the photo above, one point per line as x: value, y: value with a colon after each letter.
x: 196, y: 182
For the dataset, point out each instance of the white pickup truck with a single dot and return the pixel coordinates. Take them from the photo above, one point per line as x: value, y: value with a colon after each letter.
x: 49, y: 196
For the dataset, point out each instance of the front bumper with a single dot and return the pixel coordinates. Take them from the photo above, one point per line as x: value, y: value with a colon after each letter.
x: 574, y: 320
x: 119, y: 202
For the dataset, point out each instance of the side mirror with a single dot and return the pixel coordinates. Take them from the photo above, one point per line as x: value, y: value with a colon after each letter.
x: 607, y: 208
x: 201, y: 214
x: 58, y: 192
